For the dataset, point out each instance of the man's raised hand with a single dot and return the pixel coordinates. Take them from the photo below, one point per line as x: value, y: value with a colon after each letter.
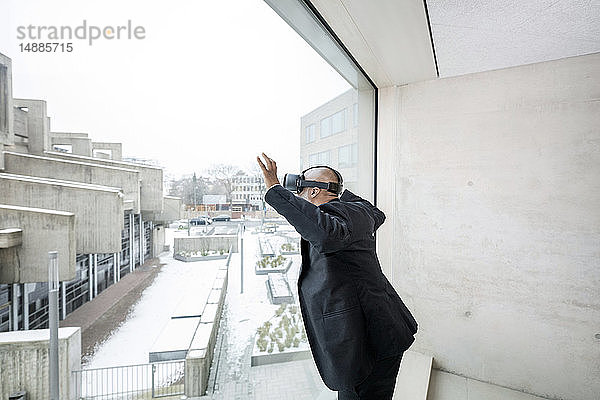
x: 269, y: 170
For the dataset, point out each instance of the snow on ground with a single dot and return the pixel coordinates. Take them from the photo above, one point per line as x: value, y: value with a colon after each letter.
x: 249, y: 310
x: 131, y: 342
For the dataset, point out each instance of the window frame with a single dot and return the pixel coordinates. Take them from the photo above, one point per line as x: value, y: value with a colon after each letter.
x: 304, y: 18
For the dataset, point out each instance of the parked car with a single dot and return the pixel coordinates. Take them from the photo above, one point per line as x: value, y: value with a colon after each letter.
x: 179, y: 224
x: 222, y: 217
x: 200, y: 221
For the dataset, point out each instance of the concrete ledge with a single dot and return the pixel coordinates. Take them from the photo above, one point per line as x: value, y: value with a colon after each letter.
x: 98, y: 209
x: 201, y: 352
x: 24, y: 360
x: 174, y: 340
x: 10, y: 237
x: 198, y: 243
x: 151, y: 178
x: 200, y: 258
x: 413, y: 378
x: 78, y: 171
x: 40, y: 231
x: 197, y: 367
x: 447, y: 386
x: 279, y: 357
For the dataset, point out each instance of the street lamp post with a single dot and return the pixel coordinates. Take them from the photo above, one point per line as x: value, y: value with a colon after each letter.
x: 241, y: 230
x: 53, y: 322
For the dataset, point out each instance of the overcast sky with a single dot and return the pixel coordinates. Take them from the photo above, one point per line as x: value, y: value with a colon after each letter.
x: 213, y: 81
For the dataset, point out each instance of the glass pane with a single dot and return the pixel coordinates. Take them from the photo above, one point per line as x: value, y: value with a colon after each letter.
x: 345, y: 120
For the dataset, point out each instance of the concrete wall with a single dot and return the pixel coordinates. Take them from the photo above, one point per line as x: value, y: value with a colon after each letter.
x: 80, y: 143
x: 42, y: 231
x: 171, y: 210
x: 6, y: 103
x: 152, y: 178
x: 127, y: 180
x: 98, y: 209
x: 197, y: 243
x: 158, y: 240
x: 38, y: 124
x: 202, y: 349
x: 20, y: 123
x: 116, y: 149
x: 490, y: 186
x: 24, y: 360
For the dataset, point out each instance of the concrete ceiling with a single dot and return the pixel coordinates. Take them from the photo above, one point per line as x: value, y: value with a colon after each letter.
x: 479, y: 35
x: 391, y: 41
x: 388, y: 38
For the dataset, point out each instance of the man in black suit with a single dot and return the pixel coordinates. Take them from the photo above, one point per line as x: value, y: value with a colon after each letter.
x: 357, y: 326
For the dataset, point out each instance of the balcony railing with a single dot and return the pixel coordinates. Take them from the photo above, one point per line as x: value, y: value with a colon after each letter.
x: 142, y: 381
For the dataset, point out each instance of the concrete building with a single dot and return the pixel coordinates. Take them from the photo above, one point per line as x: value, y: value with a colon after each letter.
x: 62, y: 191
x: 247, y: 191
x: 329, y: 136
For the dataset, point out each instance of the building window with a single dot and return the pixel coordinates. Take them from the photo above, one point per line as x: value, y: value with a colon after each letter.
x: 355, y: 115
x: 310, y: 133
x: 322, y: 158
x: 333, y: 124
x: 3, y: 98
x: 348, y: 156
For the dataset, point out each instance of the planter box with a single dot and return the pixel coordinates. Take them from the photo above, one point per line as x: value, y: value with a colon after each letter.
x: 265, y: 248
x: 264, y: 271
x: 278, y: 289
x: 264, y: 358
x: 292, y: 353
x: 201, y: 258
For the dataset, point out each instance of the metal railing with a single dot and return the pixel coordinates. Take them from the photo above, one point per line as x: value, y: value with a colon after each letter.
x: 142, y: 381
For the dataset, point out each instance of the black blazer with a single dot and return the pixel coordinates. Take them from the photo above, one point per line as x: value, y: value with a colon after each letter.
x: 351, y: 312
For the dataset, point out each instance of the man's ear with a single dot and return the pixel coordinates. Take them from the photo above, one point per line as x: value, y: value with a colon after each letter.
x: 314, y: 192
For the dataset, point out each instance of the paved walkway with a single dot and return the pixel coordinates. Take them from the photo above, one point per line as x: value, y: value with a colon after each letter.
x: 232, y: 378
x: 294, y: 380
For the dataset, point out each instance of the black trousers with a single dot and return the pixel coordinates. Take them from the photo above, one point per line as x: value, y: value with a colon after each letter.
x: 379, y: 384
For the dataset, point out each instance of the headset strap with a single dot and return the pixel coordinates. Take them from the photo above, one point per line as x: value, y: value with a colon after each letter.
x: 330, y: 186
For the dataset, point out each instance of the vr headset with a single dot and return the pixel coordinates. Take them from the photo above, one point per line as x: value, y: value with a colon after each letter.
x: 296, y: 183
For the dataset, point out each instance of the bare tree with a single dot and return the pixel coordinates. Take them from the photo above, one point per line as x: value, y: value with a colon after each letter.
x: 190, y: 188
x: 223, y: 174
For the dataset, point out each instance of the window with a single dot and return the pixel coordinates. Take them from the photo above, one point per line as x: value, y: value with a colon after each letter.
x: 310, y: 133
x: 322, y: 158
x: 333, y: 124
x: 348, y: 156
x: 63, y: 148
x: 355, y: 115
x: 3, y: 98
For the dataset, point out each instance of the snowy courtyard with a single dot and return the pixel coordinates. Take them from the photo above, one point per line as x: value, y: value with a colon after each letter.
x: 245, y: 310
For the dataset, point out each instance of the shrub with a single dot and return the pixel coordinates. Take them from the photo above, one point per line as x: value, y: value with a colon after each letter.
x: 262, y: 344
x: 288, y: 247
x: 281, y: 309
